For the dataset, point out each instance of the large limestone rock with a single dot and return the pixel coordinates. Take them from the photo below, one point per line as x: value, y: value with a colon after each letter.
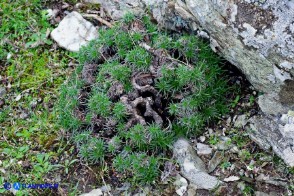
x: 256, y: 36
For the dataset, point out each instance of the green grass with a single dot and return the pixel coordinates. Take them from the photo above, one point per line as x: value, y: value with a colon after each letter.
x: 35, y: 74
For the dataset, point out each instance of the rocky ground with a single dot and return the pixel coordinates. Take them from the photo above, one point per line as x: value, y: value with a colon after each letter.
x: 222, y: 161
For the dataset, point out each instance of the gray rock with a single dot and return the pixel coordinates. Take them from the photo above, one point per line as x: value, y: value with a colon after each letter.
x: 73, y: 32
x: 203, y: 149
x: 95, y: 192
x: 215, y: 161
x: 192, y: 167
x: 2, y: 92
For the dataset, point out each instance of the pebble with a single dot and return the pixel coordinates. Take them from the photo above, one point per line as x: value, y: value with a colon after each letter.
x: 181, y: 185
x: 210, y: 131
x: 2, y: 92
x: 202, y: 138
x: 232, y: 179
x: 18, y: 97
x: 203, y: 149
x: 95, y: 192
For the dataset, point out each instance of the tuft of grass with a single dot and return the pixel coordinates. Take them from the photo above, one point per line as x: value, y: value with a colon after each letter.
x: 143, y: 168
x: 128, y: 18
x: 34, y: 74
x: 139, y: 58
x: 99, y: 104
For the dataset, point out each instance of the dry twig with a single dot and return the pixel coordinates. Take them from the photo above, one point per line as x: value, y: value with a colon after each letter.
x: 96, y: 17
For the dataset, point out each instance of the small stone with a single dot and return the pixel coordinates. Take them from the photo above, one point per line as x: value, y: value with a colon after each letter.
x: 241, y: 172
x: 234, y: 149
x: 210, y: 131
x: 95, y: 192
x: 203, y: 34
x: 203, y: 149
x: 232, y: 179
x: 52, y: 13
x: 79, y: 5
x: 228, y: 121
x: 2, y: 92
x: 9, y: 55
x: 65, y: 6
x: 2, y: 170
x: 18, y: 97
x: 202, y: 138
x: 23, y: 115
x: 181, y: 191
x: 180, y: 181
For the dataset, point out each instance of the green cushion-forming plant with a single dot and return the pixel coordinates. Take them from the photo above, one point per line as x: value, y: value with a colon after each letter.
x: 148, y: 88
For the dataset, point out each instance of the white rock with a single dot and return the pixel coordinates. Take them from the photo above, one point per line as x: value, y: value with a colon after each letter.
x: 210, y: 131
x: 203, y: 149
x: 9, y: 55
x: 95, y: 192
x: 52, y: 13
x: 73, y: 32
x: 181, y: 185
x: 181, y: 190
x: 231, y: 179
x: 202, y: 138
x: 18, y: 97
